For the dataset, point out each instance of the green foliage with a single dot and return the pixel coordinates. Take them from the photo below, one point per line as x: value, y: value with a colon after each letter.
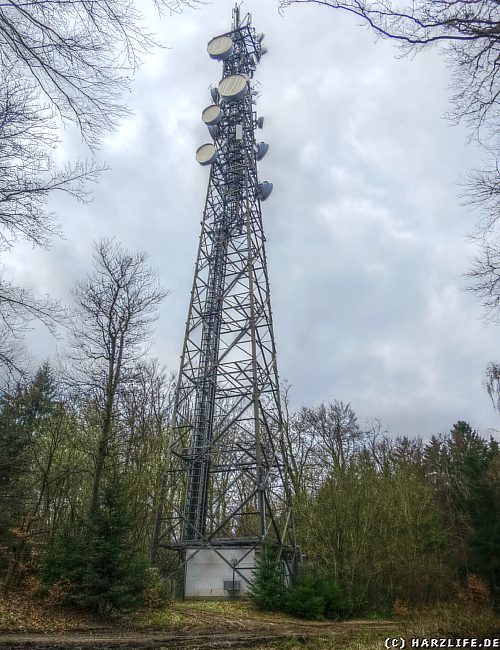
x: 96, y: 567
x: 478, y: 469
x: 311, y: 596
x: 378, y: 534
x: 25, y: 413
x: 268, y: 588
x: 116, y: 574
x: 305, y: 600
x: 65, y: 563
x: 316, y: 596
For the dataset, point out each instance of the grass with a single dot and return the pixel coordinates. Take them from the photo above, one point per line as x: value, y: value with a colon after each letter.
x: 20, y: 614
x: 447, y: 621
x: 158, y: 619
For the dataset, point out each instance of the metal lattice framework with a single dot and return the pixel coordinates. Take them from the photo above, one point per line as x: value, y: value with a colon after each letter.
x: 226, y: 481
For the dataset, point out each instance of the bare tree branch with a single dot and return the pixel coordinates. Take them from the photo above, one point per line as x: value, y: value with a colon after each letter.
x: 115, y: 307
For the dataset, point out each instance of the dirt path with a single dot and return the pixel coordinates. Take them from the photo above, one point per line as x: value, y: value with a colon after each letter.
x: 147, y: 640
x: 190, y: 626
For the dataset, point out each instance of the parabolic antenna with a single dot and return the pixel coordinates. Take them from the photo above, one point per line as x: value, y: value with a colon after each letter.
x: 206, y: 154
x: 214, y: 131
x: 220, y: 48
x: 212, y: 115
x: 233, y: 87
x: 262, y: 149
x: 264, y: 190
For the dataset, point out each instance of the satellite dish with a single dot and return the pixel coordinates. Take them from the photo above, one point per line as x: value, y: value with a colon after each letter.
x: 260, y: 37
x: 215, y: 95
x: 264, y: 190
x: 260, y: 122
x: 220, y: 48
x: 233, y: 88
x: 214, y: 131
x: 212, y: 115
x: 263, y: 51
x: 262, y: 149
x: 206, y: 154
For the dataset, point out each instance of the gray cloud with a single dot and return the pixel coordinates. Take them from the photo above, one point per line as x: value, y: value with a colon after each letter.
x: 366, y: 238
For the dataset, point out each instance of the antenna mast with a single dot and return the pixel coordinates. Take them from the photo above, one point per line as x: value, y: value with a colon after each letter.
x: 225, y: 489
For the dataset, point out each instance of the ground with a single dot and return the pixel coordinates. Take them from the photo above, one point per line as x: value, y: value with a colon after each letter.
x: 24, y: 624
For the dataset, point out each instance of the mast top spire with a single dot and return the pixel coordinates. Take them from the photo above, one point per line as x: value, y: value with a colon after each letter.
x: 236, y: 16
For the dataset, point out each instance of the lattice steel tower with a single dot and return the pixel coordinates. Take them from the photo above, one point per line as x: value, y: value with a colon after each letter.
x: 226, y: 487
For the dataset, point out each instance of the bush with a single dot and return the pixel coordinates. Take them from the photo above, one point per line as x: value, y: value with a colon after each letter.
x: 313, y: 595
x: 156, y: 591
x: 63, y: 566
x: 305, y: 600
x: 336, y: 603
x: 316, y: 596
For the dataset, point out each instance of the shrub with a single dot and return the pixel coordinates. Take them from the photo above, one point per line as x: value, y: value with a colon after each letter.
x: 63, y: 566
x: 316, y: 596
x: 304, y: 599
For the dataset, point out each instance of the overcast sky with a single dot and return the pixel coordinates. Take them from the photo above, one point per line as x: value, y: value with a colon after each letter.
x: 366, y: 236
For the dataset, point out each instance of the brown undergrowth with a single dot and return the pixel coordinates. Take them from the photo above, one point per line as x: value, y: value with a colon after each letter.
x: 21, y: 614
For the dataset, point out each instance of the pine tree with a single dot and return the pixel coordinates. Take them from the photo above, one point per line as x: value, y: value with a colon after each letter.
x: 24, y: 412
x: 268, y: 589
x: 116, y: 572
x: 95, y: 565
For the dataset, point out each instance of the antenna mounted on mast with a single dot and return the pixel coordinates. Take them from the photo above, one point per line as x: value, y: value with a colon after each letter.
x: 225, y: 490
x: 236, y: 17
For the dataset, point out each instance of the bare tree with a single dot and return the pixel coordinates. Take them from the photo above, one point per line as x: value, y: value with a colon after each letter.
x: 27, y: 177
x: 484, y: 278
x: 59, y: 60
x: 482, y: 192
x: 115, y: 307
x: 299, y: 445
x: 334, y: 431
x: 28, y: 134
x: 80, y: 55
x: 492, y: 383
x: 468, y: 32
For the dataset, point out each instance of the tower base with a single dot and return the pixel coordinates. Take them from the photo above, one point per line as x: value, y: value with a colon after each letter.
x: 221, y: 573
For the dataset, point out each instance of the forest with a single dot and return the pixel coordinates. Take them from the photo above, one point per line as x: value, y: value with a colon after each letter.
x: 387, y: 519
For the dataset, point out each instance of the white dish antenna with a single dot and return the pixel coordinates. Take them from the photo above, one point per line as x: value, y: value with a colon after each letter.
x: 212, y: 115
x: 233, y: 88
x: 206, y: 154
x: 220, y: 48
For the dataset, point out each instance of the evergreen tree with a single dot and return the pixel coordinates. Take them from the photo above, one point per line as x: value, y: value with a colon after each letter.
x: 116, y: 571
x: 480, y: 503
x: 465, y: 469
x: 24, y: 412
x: 96, y: 565
x: 268, y: 589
